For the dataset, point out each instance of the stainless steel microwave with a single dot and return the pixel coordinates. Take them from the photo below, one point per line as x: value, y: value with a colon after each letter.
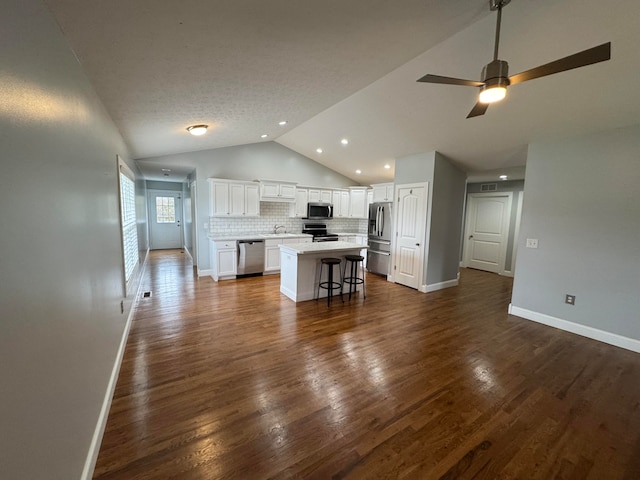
x: 319, y: 210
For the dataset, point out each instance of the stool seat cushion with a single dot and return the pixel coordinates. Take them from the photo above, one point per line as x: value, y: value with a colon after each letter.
x: 330, y: 261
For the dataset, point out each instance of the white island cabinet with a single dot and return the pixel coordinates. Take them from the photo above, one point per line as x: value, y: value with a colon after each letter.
x: 300, y: 266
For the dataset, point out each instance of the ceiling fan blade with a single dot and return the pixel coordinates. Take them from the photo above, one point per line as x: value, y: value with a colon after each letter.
x: 450, y: 81
x: 478, y: 109
x: 577, y: 60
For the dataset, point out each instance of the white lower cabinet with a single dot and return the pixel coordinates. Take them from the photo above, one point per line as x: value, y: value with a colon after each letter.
x: 224, y: 259
x: 272, y: 251
x: 360, y: 239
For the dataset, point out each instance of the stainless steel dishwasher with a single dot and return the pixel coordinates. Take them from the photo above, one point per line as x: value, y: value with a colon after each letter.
x: 250, y: 257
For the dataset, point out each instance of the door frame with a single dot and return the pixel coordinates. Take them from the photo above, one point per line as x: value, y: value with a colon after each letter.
x: 151, y: 194
x: 503, y: 252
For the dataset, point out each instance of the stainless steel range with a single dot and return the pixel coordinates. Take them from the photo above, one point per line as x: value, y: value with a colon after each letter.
x: 319, y: 232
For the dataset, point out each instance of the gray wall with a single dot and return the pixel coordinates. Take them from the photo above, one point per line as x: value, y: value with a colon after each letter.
x: 516, y: 187
x: 60, y: 249
x: 443, y: 222
x: 582, y: 202
x: 168, y: 186
x: 447, y: 205
x: 258, y: 161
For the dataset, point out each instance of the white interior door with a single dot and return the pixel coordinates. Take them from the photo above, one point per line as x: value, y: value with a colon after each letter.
x: 165, y: 219
x: 487, y: 231
x: 410, y: 230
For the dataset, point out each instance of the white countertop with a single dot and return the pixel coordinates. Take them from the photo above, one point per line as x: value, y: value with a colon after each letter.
x: 255, y: 236
x: 349, y: 233
x: 320, y: 247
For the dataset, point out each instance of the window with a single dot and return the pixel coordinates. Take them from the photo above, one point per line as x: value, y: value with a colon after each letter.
x: 128, y: 220
x: 165, y: 210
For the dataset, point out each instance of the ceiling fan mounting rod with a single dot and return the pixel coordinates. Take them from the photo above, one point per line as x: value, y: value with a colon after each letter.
x: 497, y: 5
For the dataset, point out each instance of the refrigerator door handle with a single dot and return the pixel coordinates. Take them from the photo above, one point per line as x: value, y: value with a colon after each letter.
x: 382, y: 221
x: 379, y: 221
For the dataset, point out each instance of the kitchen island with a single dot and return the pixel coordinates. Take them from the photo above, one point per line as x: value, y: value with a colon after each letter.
x: 300, y: 266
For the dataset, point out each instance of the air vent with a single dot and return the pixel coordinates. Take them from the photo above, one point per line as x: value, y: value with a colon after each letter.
x: 489, y: 187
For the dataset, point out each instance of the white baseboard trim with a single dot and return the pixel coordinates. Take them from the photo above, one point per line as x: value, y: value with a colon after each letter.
x: 507, y: 273
x: 583, y: 330
x: 204, y: 273
x: 96, y: 440
x: 439, y: 286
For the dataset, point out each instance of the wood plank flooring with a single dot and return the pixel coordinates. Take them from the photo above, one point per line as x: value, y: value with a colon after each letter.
x: 235, y: 381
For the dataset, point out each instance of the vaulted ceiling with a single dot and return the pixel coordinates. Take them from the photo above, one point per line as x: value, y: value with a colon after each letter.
x: 336, y: 69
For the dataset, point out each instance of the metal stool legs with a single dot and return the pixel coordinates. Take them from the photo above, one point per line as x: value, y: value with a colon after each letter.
x: 353, y: 280
x: 330, y: 285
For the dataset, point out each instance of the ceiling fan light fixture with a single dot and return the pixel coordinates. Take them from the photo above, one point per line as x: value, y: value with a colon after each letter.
x: 197, y: 130
x: 492, y: 94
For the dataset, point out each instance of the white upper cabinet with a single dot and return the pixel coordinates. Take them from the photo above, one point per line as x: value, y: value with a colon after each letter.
x: 382, y: 192
x: 358, y: 207
x: 229, y: 198
x: 277, y: 191
x: 317, y: 195
x: 299, y: 208
x: 340, y: 202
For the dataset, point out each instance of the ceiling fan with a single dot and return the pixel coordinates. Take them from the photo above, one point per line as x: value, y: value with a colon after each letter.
x: 495, y: 75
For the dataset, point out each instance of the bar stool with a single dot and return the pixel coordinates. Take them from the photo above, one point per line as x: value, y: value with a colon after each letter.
x: 329, y: 285
x: 353, y: 280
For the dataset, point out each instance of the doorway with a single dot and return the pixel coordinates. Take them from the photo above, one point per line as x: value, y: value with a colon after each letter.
x: 165, y: 219
x: 487, y: 231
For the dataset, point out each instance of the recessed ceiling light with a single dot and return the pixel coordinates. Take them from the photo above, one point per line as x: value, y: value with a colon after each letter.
x: 344, y: 141
x: 197, y: 130
x: 166, y: 169
x: 387, y: 166
x: 264, y: 135
x: 282, y: 123
x: 503, y: 177
x: 358, y: 171
x: 319, y: 150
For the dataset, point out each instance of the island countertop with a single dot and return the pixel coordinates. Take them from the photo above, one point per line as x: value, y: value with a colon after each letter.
x: 320, y: 247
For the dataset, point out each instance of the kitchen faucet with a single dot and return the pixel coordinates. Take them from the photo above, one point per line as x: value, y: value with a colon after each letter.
x: 276, y: 227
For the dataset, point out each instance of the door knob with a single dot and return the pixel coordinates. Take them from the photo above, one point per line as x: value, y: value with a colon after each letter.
x: 470, y: 237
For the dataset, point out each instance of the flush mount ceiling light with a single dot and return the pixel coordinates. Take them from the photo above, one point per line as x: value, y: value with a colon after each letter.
x: 358, y: 171
x: 503, y: 177
x: 166, y: 169
x: 387, y: 166
x: 344, y: 141
x: 264, y: 135
x: 197, y: 130
x: 319, y: 150
x: 282, y: 123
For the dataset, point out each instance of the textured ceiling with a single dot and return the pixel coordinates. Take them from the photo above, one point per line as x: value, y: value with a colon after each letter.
x: 334, y: 69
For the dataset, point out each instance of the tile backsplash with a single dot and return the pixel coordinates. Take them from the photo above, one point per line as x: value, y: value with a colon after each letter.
x: 274, y: 213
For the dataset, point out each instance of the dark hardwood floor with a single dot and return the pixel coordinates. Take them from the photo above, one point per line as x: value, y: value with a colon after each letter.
x: 235, y: 381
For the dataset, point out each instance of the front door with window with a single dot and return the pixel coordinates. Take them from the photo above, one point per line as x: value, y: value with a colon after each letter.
x: 165, y: 219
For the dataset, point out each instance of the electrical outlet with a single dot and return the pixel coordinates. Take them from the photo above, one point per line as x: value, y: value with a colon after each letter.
x: 532, y: 243
x: 570, y: 299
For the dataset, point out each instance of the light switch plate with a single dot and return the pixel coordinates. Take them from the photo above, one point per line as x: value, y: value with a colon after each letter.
x: 532, y: 243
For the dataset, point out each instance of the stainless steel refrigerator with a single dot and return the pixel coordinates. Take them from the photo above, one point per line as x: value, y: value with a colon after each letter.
x: 380, y: 227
